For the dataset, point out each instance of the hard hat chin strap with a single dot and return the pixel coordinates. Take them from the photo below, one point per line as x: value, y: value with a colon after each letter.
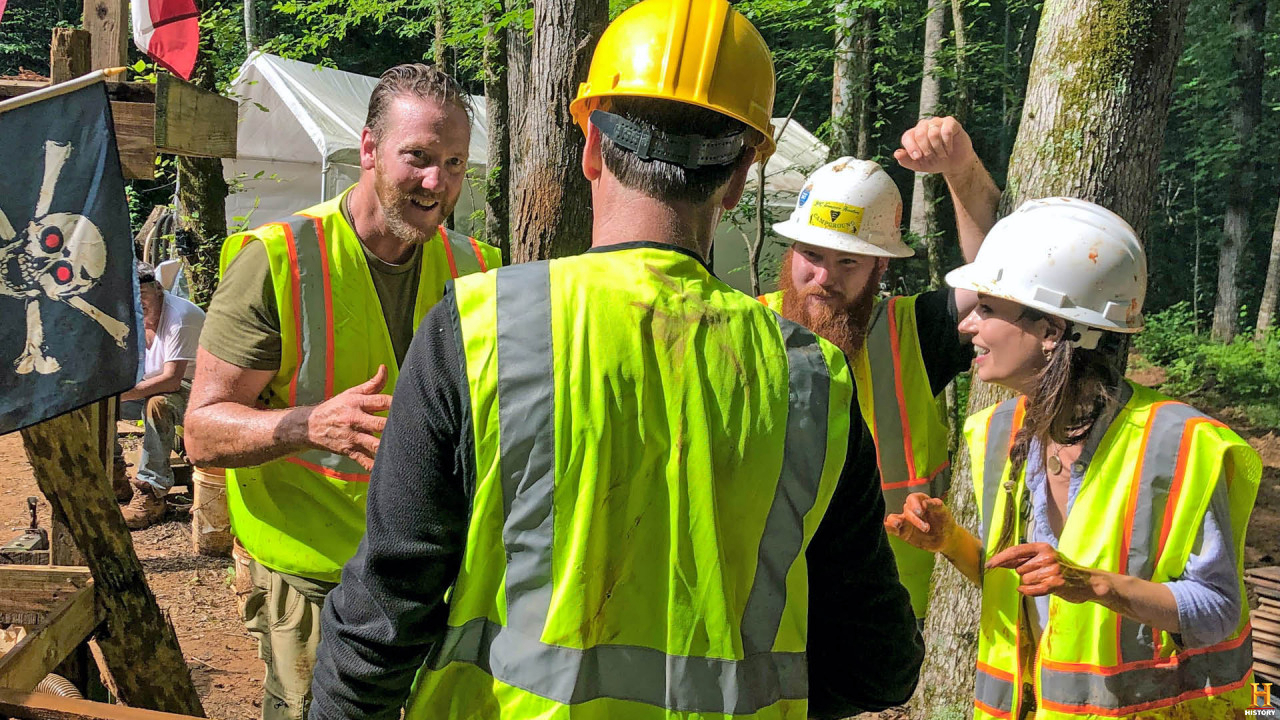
x: 689, y: 151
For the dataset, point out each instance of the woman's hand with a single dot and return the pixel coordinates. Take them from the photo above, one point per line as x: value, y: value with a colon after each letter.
x: 1044, y: 571
x: 925, y: 522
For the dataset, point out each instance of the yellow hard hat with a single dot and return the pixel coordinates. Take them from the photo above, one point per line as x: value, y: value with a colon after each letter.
x: 700, y: 52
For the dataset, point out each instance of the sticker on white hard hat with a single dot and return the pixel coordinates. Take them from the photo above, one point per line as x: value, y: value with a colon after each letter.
x: 836, y: 216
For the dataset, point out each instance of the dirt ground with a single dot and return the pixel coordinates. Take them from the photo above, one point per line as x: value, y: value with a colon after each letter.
x: 198, y: 592
x: 195, y: 590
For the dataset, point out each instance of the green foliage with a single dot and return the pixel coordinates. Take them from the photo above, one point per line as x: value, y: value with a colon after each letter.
x: 1168, y: 334
x: 1241, y: 374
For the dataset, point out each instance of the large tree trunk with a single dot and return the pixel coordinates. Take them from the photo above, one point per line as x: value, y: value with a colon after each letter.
x: 1092, y: 128
x: 1267, y: 308
x: 552, y: 211
x: 927, y: 188
x: 497, y: 183
x: 202, y: 205
x: 851, y: 81
x: 1247, y: 19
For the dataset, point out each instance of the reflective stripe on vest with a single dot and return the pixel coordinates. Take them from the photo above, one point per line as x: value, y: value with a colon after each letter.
x: 516, y: 656
x: 1146, y: 685
x: 1001, y: 428
x: 465, y: 257
x: 312, y: 382
x: 895, y: 453
x: 993, y: 690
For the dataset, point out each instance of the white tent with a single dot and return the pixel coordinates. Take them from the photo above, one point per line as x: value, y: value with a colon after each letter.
x: 299, y: 138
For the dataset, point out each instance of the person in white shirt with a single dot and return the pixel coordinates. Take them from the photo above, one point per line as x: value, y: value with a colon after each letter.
x: 172, y: 327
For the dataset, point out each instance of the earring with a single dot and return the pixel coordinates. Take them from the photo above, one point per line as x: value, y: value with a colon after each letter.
x: 1048, y: 351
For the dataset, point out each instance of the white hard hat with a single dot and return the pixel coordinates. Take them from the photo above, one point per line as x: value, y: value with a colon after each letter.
x: 849, y: 205
x: 1064, y: 257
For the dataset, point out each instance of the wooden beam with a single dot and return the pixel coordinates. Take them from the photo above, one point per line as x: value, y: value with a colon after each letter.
x: 135, y: 139
x: 69, y: 54
x: 38, y: 706
x: 137, y: 640
x: 31, y: 592
x: 23, y: 667
x: 192, y: 121
x: 108, y: 21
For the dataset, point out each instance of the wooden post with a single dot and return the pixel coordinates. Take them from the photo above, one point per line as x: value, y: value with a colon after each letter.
x: 69, y: 54
x: 68, y: 462
x: 108, y: 22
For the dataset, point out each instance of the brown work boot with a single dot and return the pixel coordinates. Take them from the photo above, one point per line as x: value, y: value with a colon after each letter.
x: 146, y: 508
x: 120, y: 481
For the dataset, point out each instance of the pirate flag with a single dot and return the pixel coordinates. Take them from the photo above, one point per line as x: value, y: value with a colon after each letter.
x: 71, y: 329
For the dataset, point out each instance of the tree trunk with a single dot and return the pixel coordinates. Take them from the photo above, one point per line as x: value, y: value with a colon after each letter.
x: 497, y: 183
x: 851, y: 81
x: 1267, y: 308
x: 961, y: 46
x: 250, y: 26
x: 927, y: 188
x: 1092, y: 128
x: 137, y: 640
x: 551, y: 216
x: 437, y: 40
x: 202, y: 206
x: 1247, y: 19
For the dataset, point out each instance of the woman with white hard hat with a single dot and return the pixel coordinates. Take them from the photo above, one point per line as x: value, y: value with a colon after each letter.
x: 1112, y: 518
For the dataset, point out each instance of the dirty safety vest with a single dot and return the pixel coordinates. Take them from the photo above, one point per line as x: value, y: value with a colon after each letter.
x: 304, y: 514
x: 906, y: 421
x: 654, y: 451
x: 1138, y: 512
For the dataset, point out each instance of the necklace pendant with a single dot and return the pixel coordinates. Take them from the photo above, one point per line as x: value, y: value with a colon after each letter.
x: 1053, y: 464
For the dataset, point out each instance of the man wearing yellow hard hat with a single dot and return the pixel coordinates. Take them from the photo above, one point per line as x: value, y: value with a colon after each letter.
x: 615, y: 465
x: 902, y: 350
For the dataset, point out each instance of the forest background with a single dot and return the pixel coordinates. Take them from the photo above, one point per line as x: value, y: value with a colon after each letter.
x: 859, y: 73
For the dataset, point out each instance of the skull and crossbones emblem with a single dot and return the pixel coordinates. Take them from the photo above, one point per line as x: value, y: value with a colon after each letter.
x: 57, y: 257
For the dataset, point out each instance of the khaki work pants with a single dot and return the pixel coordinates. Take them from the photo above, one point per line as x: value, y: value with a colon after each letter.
x: 284, y: 615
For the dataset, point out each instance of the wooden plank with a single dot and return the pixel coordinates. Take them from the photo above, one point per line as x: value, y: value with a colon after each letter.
x: 138, y: 644
x: 135, y: 139
x: 39, y: 706
x: 192, y: 121
x: 33, y: 557
x: 108, y: 21
x: 1271, y: 573
x: 23, y: 667
x: 1265, y: 623
x: 30, y: 596
x: 69, y: 54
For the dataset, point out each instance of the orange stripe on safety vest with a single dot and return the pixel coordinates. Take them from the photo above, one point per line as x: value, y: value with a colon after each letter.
x: 990, y: 710
x: 448, y: 252
x: 297, y: 309
x: 995, y: 671
x: 1184, y: 451
x: 329, y: 472
x: 479, y: 255
x: 328, y: 307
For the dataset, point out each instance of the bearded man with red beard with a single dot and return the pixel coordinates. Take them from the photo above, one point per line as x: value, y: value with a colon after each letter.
x: 903, y: 350
x: 301, y: 349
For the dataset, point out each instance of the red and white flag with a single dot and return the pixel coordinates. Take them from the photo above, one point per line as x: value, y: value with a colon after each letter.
x: 169, y: 32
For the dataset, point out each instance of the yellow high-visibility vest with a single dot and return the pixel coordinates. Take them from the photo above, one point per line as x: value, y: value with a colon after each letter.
x: 304, y: 514
x: 1138, y: 511
x: 654, y: 452
x: 906, y: 421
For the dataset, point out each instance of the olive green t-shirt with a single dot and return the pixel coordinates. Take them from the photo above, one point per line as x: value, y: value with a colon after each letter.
x: 242, y: 325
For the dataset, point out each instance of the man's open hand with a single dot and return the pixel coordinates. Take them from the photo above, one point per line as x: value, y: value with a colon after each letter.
x: 346, y: 423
